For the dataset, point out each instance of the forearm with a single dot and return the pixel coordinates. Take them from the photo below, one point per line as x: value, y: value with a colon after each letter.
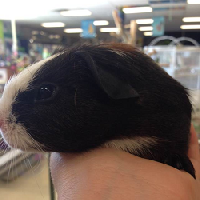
x: 111, y: 175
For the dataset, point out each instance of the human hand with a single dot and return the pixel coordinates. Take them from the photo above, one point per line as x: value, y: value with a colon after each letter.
x: 109, y: 174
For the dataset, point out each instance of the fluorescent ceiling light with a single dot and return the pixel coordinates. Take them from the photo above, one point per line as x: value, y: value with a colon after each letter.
x: 53, y: 24
x: 76, y: 13
x: 109, y: 30
x: 146, y: 28
x: 14, y: 10
x: 73, y: 30
x: 137, y: 10
x: 195, y: 26
x: 144, y: 21
x: 148, y: 33
x: 23, y: 10
x: 17, y: 15
x: 193, y: 1
x: 191, y: 19
x: 100, y: 22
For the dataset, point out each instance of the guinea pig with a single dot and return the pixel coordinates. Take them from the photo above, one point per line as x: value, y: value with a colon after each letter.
x: 99, y: 96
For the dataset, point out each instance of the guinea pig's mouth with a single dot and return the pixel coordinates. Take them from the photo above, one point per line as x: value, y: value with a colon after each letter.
x: 16, y: 136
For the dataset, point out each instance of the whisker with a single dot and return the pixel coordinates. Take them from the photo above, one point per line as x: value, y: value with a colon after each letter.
x: 35, y: 143
x: 35, y: 178
x: 10, y: 166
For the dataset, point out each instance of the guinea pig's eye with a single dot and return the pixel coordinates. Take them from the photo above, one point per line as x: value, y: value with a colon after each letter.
x: 45, y: 92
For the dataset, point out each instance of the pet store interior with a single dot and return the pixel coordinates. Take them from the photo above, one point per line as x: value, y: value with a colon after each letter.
x: 166, y: 30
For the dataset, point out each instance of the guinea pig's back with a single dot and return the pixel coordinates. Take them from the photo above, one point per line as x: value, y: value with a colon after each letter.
x: 162, y: 110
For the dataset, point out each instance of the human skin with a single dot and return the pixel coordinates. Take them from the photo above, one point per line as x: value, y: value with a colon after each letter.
x: 110, y: 174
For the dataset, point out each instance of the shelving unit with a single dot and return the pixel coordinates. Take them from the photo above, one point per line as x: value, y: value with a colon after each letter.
x: 183, y: 64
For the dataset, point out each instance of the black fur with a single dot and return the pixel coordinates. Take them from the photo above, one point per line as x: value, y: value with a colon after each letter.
x: 108, y: 92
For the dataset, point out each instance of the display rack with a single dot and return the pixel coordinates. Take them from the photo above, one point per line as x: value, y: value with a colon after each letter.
x: 183, y: 64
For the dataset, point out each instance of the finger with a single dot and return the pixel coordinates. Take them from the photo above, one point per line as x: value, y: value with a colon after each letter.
x: 193, y: 152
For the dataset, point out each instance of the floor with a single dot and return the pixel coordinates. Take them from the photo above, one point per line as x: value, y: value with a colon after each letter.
x: 33, y: 185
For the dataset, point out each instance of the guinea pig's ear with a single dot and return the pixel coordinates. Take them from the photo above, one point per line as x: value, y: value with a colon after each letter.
x: 110, y: 84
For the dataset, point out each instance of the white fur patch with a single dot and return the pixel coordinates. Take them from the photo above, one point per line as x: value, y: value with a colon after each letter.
x: 135, y: 145
x: 15, y: 134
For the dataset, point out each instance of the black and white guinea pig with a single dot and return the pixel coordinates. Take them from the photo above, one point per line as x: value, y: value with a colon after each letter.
x: 93, y: 96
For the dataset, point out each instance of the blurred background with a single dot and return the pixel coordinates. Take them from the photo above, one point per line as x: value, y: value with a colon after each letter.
x: 166, y: 30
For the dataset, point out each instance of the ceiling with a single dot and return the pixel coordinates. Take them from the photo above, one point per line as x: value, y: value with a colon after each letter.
x: 101, y: 9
